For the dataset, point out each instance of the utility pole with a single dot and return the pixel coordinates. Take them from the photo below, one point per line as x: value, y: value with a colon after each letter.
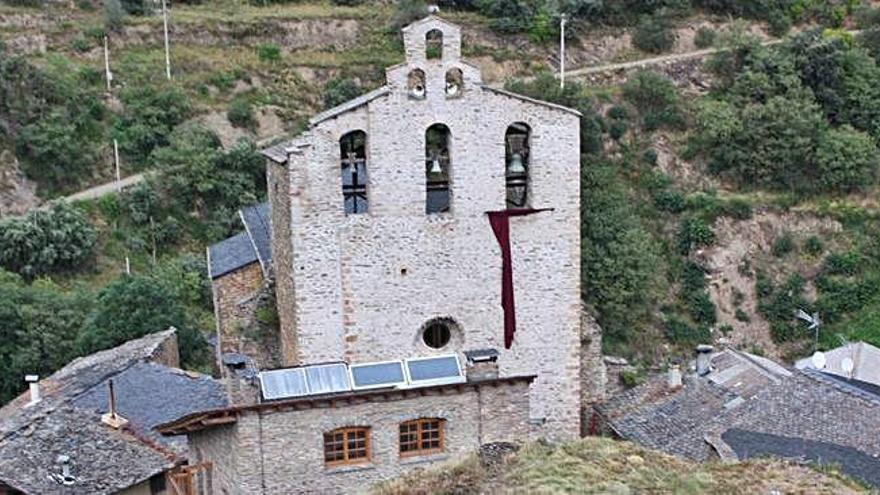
x: 562, y: 21
x: 109, y: 75
x: 116, y: 159
x: 167, y: 50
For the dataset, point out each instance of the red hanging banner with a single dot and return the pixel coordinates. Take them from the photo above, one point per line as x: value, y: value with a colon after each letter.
x: 500, y: 222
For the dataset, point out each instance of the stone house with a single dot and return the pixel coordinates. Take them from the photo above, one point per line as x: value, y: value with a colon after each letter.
x: 67, y: 436
x: 347, y: 442
x: 739, y: 406
x: 433, y: 215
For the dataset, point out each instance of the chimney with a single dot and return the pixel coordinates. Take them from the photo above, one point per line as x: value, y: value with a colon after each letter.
x: 482, y: 364
x: 673, y: 377
x: 704, y: 359
x: 112, y: 418
x: 66, y: 477
x: 34, y: 384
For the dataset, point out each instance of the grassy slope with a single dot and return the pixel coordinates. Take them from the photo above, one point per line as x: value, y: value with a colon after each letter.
x: 601, y: 465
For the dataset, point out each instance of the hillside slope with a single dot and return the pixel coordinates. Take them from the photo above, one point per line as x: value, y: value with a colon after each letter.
x: 601, y: 465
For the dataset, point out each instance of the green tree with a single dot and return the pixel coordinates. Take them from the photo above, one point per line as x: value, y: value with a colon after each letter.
x: 133, y: 306
x: 39, y: 324
x: 150, y: 114
x: 619, y: 257
x: 51, y: 240
x: 847, y: 159
x: 654, y: 33
x: 340, y: 90
x: 656, y: 98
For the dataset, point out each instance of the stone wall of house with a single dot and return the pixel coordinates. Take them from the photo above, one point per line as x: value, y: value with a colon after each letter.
x: 220, y: 447
x: 281, y: 452
x: 593, y: 373
x: 282, y: 260
x: 168, y: 353
x: 237, y: 298
x: 367, y: 284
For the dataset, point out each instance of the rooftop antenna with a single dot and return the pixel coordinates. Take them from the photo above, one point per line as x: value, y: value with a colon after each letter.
x: 112, y: 418
x: 433, y: 9
x: 818, y: 360
x: 814, y: 321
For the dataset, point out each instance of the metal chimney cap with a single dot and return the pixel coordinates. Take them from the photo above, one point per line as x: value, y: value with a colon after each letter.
x: 31, y: 378
x: 704, y: 348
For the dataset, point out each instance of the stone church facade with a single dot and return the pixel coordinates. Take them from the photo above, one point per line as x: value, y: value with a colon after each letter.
x: 381, y: 239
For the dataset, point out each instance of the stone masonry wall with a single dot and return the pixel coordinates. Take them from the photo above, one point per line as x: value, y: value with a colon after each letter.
x: 281, y: 452
x: 366, y: 284
x: 237, y: 295
x: 282, y: 260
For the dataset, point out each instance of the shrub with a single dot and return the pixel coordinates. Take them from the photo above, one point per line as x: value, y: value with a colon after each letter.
x: 654, y: 34
x: 52, y: 240
x: 705, y: 37
x: 338, y: 91
x: 631, y: 377
x: 701, y: 308
x: 408, y: 11
x: 783, y: 245
x: 694, y: 233
x: 741, y: 315
x: 241, y: 113
x: 738, y: 208
x: 847, y: 159
x: 680, y: 332
x: 347, y: 3
x: 671, y: 201
x: 114, y: 15
x: 779, y: 23
x: 269, y: 52
x: 847, y: 264
x: 813, y: 245
x: 150, y: 114
x: 617, y: 129
x: 656, y: 98
x: 618, y: 112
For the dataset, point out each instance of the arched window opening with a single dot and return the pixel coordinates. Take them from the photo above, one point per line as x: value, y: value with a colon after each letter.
x: 454, y: 82
x: 422, y: 437
x: 347, y: 446
x: 353, y: 158
x: 416, y: 84
x: 434, y: 44
x: 516, y: 170
x: 437, y: 165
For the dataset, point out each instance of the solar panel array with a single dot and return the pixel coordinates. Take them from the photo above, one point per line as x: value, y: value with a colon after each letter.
x: 340, y: 377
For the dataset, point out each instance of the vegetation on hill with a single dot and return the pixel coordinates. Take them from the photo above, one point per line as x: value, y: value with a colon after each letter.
x: 601, y: 465
x: 786, y: 128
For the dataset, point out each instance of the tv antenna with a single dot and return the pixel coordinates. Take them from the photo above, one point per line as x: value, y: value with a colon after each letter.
x: 814, y: 321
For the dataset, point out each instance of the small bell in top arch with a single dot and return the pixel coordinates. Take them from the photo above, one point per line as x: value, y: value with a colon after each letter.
x: 516, y: 164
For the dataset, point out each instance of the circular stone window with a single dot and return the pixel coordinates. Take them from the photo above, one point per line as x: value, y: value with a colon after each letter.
x: 437, y: 334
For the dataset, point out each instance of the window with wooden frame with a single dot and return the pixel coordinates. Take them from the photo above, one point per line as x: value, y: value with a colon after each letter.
x: 347, y: 446
x: 421, y: 437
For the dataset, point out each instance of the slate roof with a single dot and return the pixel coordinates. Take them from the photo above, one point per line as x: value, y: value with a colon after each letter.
x: 865, y: 358
x: 149, y: 394
x: 676, y: 421
x: 257, y: 220
x: 251, y: 246
x: 809, y: 416
x: 855, y: 463
x: 231, y: 254
x: 66, y: 421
